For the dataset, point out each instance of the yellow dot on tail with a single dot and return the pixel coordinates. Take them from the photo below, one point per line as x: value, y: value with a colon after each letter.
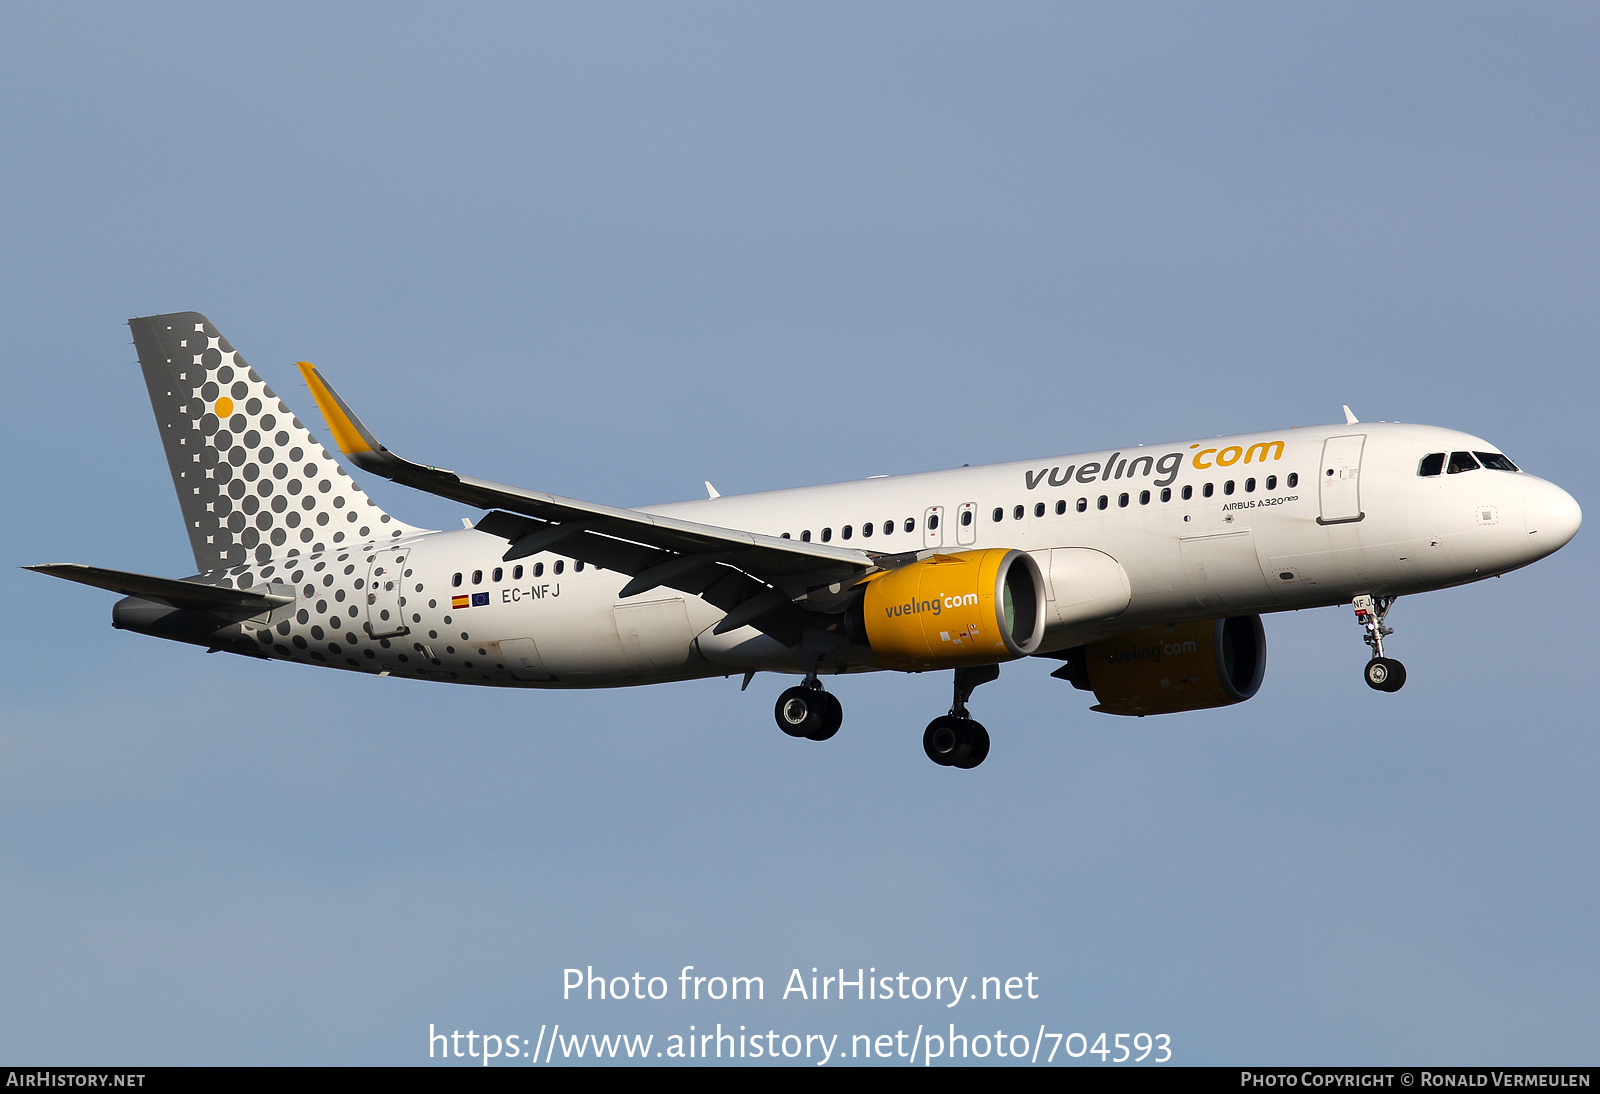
x: 224, y: 407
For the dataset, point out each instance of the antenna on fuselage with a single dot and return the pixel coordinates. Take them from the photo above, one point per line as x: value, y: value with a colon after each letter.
x: 1349, y: 417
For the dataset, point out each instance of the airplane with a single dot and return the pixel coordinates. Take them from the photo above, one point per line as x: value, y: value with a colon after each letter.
x: 1144, y: 571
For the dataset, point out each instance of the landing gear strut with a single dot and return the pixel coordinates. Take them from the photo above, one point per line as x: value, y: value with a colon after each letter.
x: 1382, y: 673
x: 956, y: 739
x: 808, y: 711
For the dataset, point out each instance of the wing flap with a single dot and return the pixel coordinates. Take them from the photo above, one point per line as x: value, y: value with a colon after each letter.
x: 709, y: 575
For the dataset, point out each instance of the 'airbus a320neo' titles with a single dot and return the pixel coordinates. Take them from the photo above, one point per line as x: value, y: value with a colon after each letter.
x: 1144, y: 571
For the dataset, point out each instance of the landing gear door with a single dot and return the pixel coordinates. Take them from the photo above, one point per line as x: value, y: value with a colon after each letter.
x: 1339, y: 480
x: 385, y: 614
x: 933, y: 526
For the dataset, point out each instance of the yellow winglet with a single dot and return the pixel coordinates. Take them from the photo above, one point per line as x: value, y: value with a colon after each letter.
x: 348, y: 432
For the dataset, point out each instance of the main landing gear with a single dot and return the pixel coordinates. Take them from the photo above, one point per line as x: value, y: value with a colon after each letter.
x: 957, y: 739
x: 808, y: 711
x: 1382, y: 673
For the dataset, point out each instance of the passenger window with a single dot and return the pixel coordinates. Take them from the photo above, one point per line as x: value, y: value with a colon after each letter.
x: 1432, y: 464
x: 888, y: 527
x: 1227, y: 487
x: 1083, y: 505
x: 499, y: 573
x: 455, y: 581
x: 1294, y: 479
x: 999, y: 515
x: 1249, y: 486
x: 911, y: 524
x: 966, y: 517
x: 1103, y: 502
x: 560, y: 564
x: 1272, y: 482
x: 805, y: 537
x: 1207, y: 490
x: 1188, y: 492
x: 1461, y: 461
x: 786, y: 535
x: 516, y: 573
x: 477, y: 577
x: 1038, y: 510
x: 1061, y: 508
x: 1016, y: 513
x: 844, y: 533
x: 1144, y: 497
x: 1122, y: 501
x: 1494, y: 461
x: 1166, y: 493
x: 577, y: 567
x: 866, y: 529
x: 827, y: 535
x: 538, y: 569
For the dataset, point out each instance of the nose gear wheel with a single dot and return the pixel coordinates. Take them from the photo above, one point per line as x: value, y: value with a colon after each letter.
x: 1385, y: 674
x: 1381, y: 673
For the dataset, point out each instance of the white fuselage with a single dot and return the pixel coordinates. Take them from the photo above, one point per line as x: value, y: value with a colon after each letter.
x: 1273, y: 532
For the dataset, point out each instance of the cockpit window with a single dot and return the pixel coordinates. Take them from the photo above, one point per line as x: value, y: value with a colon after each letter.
x: 1494, y: 461
x: 1461, y: 461
x: 1432, y: 464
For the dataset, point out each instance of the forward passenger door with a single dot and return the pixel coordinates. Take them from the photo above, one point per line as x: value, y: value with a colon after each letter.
x: 1339, y: 479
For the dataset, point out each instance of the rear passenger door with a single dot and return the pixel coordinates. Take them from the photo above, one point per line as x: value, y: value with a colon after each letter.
x: 385, y: 615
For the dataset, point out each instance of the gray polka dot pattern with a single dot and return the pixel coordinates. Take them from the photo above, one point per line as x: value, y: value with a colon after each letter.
x: 267, y: 507
x: 253, y: 483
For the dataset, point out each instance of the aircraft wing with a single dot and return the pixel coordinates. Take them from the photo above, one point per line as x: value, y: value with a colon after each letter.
x: 166, y: 590
x: 754, y: 578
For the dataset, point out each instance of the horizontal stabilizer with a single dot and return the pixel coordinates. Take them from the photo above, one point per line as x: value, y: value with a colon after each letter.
x: 166, y: 590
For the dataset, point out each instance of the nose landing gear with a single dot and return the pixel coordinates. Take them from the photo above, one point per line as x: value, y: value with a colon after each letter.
x: 808, y: 711
x: 1382, y: 673
x: 956, y: 739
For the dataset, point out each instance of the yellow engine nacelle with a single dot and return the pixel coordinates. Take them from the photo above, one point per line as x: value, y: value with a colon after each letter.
x: 965, y: 608
x: 1163, y: 670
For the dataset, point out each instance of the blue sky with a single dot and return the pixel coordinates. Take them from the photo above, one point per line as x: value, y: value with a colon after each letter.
x: 611, y: 251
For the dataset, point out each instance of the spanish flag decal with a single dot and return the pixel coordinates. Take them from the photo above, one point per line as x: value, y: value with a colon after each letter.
x: 458, y: 601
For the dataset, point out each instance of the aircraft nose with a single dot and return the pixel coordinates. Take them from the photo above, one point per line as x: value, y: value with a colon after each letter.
x: 1551, y: 514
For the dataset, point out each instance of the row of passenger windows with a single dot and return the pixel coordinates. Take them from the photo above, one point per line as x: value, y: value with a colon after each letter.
x: 499, y: 574
x: 866, y: 529
x: 1434, y: 463
x: 1123, y: 500
x: 1207, y: 490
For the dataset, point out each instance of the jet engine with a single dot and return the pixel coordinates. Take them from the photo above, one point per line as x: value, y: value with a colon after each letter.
x: 950, y: 610
x: 1163, y: 670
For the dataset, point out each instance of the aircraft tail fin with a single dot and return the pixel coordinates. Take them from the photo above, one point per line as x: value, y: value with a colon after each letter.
x: 252, y: 481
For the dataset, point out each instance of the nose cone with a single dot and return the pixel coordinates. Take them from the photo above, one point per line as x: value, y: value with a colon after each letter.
x: 1551, y: 514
